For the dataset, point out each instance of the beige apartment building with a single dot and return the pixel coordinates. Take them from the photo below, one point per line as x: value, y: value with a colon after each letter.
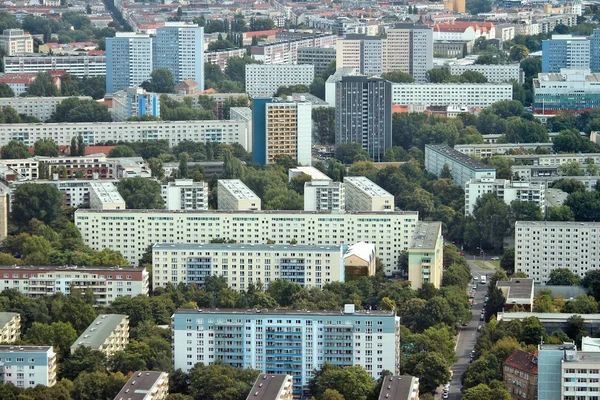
x: 426, y: 255
x: 16, y: 42
x: 272, y: 387
x: 364, y: 195
x: 10, y: 327
x: 108, y: 333
x: 145, y: 385
x: 235, y: 196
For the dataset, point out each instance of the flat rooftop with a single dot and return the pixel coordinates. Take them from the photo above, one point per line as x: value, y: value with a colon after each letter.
x: 139, y: 385
x: 555, y: 197
x: 314, y: 173
x: 5, y: 317
x: 106, y: 192
x: 425, y: 235
x: 237, y: 189
x: 360, y: 313
x: 547, y: 317
x: 31, y: 349
x: 340, y: 72
x: 245, y: 247
x: 367, y: 186
x: 248, y: 212
x: 68, y: 268
x: 457, y: 156
x: 516, y: 289
x: 268, y: 386
x: 397, y: 387
x: 95, y: 334
x: 556, y: 224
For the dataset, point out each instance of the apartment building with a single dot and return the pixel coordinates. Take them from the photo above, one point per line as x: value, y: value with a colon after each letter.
x: 272, y: 387
x: 221, y: 57
x: 179, y: 47
x: 243, y: 114
x: 263, y: 80
x: 330, y: 84
x: 10, y: 327
x: 360, y: 260
x: 226, y: 132
x: 145, y: 385
x: 570, y: 90
x: 28, y: 366
x: 485, y: 150
x: 234, y: 195
x: 286, y: 51
x: 478, y: 95
x: 75, y: 192
x: 390, y: 231
x: 284, y: 341
x: 363, y: 114
x: 324, y: 195
x: 108, y: 333
x: 128, y: 60
x: 41, y: 108
x: 426, y: 255
x: 106, y: 283
x: 520, y: 372
x: 315, y: 174
x: 16, y: 42
x: 565, y: 51
x: 541, y: 247
x: 80, y: 66
x: 105, y: 196
x: 504, y: 189
x: 185, y: 194
x: 554, y: 160
x: 409, y: 48
x: 320, y: 57
x: 241, y: 264
x: 462, y: 167
x: 362, y: 53
x: 364, y: 195
x: 495, y: 73
x: 282, y: 127
x: 134, y: 102
x: 400, y: 387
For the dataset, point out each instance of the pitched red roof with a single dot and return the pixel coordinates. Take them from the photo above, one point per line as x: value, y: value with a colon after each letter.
x: 523, y: 361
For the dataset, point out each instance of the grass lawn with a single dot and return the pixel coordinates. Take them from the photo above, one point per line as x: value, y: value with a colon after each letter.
x: 481, y: 264
x: 495, y: 263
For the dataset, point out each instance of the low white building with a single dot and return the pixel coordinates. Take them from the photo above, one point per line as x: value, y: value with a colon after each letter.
x: 39, y: 362
x: 324, y: 195
x: 506, y: 190
x: 364, y: 195
x: 16, y: 42
x: 105, y: 196
x: 489, y: 149
x: 41, y: 108
x: 315, y: 174
x: 145, y: 385
x: 234, y: 195
x: 185, y: 194
x: 264, y: 80
x: 80, y: 66
x: 462, y: 167
x: 478, y: 95
x: 108, y: 333
x: 134, y: 102
x: 495, y: 73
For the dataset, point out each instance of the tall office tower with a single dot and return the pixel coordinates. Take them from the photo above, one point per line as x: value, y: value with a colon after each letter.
x: 409, y: 48
x: 363, y: 114
x: 128, y: 60
x: 179, y: 48
x: 565, y: 51
x: 361, y: 52
x: 281, y: 127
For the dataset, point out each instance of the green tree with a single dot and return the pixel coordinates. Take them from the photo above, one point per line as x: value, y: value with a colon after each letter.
x: 141, y: 193
x: 432, y: 371
x: 45, y: 147
x: 97, y: 385
x: 571, y: 141
x: 220, y: 382
x: 350, y: 152
x: 571, y: 168
x: 591, y: 281
x: 484, y: 392
x: 61, y: 335
x: 331, y: 394
x: 438, y: 75
x: 184, y: 159
x: 74, y: 109
x: 31, y: 200
x: 563, y: 277
x: 580, y: 203
x: 576, y: 328
x: 283, y: 291
x: 15, y: 150
x: 161, y: 81
x: 518, y: 52
x: 560, y: 213
x: 83, y: 359
x: 489, y: 223
x: 6, y: 91
x: 324, y: 124
x: 533, y: 331
x: 351, y: 382
x: 43, y: 86
x: 582, y: 304
x: 569, y: 185
x: 398, y: 77
x: 122, y: 150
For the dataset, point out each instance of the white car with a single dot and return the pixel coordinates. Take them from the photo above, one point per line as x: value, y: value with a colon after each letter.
x: 445, y: 395
x: 447, y: 386
x: 495, y: 258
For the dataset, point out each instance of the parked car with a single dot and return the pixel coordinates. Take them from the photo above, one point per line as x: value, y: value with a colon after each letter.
x: 479, y: 328
x: 495, y: 258
x: 482, y: 317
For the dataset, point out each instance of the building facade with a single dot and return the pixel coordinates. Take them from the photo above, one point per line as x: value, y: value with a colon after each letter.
x: 478, y: 95
x: 10, y: 327
x: 285, y: 341
x: 281, y: 127
x: 242, y: 265
x: 324, y: 195
x: 320, y: 57
x: 486, y: 150
x: 520, y: 372
x: 390, y: 231
x: 409, y: 48
x: 41, y: 108
x: 15, y: 42
x: 108, y: 333
x: 462, y: 167
x: 363, y: 114
x: 264, y: 80
x: 106, y: 283
x: 541, y: 247
x: 105, y: 196
x: 426, y: 255
x: 364, y: 195
x: 145, y: 385
x: 234, y: 195
x: 185, y: 194
x: 360, y: 260
x: 179, y: 47
x: 221, y: 57
x: 495, y: 73
x: 128, y: 60
x: 565, y: 51
x: 286, y: 51
x: 134, y: 102
x: 504, y: 189
x: 28, y: 366
x: 571, y: 90
x: 272, y: 387
x: 80, y: 66
x: 360, y: 52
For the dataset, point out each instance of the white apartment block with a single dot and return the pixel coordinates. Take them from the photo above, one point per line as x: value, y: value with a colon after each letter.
x: 479, y: 95
x: 106, y: 283
x: 330, y: 92
x: 426, y: 255
x: 38, y: 107
x: 234, y: 195
x: 185, y: 194
x: 105, y: 196
x: 10, y: 327
x: 28, y: 366
x: 132, y: 231
x: 243, y: 114
x: 486, y: 150
x: 108, y: 333
x: 80, y: 66
x: 504, y: 189
x: 324, y: 195
x: 226, y: 132
x: 145, y: 385
x: 541, y: 247
x: 314, y: 173
x: 579, y: 374
x: 497, y: 73
x: 242, y: 264
x: 264, y: 80
x: 364, y: 195
x: 462, y: 167
x: 15, y: 42
x: 286, y: 52
x: 554, y: 159
x: 134, y: 102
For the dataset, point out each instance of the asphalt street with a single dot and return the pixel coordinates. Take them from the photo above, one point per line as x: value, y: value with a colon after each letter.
x: 468, y: 334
